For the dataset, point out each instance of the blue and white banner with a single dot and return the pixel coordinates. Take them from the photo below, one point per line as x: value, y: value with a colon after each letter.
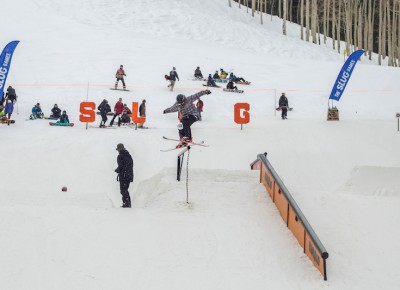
x: 5, y: 62
x: 344, y: 75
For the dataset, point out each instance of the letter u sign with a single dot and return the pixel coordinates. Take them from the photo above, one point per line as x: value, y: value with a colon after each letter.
x: 242, y: 115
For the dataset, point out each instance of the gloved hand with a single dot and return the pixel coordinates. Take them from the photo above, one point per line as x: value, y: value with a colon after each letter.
x: 164, y: 112
x: 207, y: 92
x: 116, y: 170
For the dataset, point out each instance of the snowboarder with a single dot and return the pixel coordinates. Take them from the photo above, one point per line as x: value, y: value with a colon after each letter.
x: 11, y: 95
x: 189, y: 114
x: 104, y: 108
x: 118, y: 109
x: 36, y: 112
x: 142, y: 112
x: 198, y: 74
x: 283, y: 105
x: 120, y: 77
x: 55, y: 112
x: 126, y: 115
x: 235, y: 78
x: 216, y: 76
x: 173, y: 76
x: 210, y: 81
x: 64, y: 118
x: 223, y: 74
x: 125, y: 173
x: 9, y: 108
x: 199, y: 106
x: 231, y: 86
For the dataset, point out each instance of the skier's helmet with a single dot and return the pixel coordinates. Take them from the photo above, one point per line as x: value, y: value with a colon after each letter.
x: 173, y: 68
x: 64, y: 112
x: 55, y: 106
x: 180, y: 99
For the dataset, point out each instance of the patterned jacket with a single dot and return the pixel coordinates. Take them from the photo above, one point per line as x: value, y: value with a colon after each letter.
x: 188, y: 108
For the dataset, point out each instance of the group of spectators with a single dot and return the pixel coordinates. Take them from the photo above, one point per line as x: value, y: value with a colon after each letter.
x: 7, y: 103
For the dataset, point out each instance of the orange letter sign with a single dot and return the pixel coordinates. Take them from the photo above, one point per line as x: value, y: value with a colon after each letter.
x: 135, y: 114
x: 242, y: 115
x: 88, y: 114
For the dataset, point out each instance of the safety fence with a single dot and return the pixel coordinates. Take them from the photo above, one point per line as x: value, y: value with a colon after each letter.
x: 291, y: 213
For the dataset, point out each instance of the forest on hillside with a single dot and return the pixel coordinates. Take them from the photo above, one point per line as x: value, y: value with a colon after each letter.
x: 372, y: 25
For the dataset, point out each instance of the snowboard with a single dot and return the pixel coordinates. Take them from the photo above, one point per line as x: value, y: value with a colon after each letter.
x: 61, y: 124
x: 116, y: 89
x: 280, y: 109
x: 51, y: 118
x: 8, y: 122
x: 243, y: 83
x: 205, y: 85
x: 198, y: 79
x: 105, y: 127
x: 224, y: 81
x: 108, y: 114
x: 233, y: 91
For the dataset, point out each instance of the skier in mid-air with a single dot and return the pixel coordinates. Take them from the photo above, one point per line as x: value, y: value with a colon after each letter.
x: 189, y: 113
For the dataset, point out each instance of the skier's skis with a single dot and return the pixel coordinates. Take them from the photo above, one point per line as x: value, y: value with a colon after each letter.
x: 189, y: 143
x: 183, y: 147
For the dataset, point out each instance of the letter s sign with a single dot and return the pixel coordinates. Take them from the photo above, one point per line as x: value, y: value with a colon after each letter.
x: 88, y: 114
x: 242, y: 115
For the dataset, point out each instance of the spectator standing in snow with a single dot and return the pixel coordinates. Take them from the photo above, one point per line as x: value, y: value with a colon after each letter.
x: 173, y: 76
x: 283, y: 105
x: 104, y: 108
x: 142, y: 112
x: 118, y: 109
x: 125, y: 173
x: 199, y: 106
x: 9, y: 108
x: 11, y: 94
x: 120, y: 77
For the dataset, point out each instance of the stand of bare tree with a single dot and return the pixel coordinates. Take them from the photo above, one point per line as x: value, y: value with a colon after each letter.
x: 371, y: 25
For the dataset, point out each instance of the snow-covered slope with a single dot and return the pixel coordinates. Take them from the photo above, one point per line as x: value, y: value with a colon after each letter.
x: 342, y: 174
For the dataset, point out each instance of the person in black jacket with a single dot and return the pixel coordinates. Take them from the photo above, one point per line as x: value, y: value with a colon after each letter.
x: 173, y: 76
x: 104, y: 108
x: 125, y: 173
x: 56, y: 112
x: 142, y: 112
x: 283, y: 105
x: 231, y: 86
x: 11, y: 94
x: 198, y: 74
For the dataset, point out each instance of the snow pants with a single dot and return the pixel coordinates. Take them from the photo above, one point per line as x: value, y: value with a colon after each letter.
x: 187, y: 122
x: 126, y: 199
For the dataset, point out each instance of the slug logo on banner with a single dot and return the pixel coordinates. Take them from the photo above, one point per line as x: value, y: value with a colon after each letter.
x: 5, y: 62
x: 344, y: 75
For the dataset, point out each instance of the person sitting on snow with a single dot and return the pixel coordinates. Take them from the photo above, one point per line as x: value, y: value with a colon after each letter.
x: 231, y: 86
x: 198, y: 74
x: 216, y: 76
x: 64, y: 118
x: 235, y: 78
x: 210, y: 81
x: 223, y: 74
x: 55, y: 112
x: 2, y: 113
x: 37, y: 112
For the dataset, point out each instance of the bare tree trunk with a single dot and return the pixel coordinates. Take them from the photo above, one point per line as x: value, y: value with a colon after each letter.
x: 279, y: 9
x: 302, y: 19
x: 284, y: 17
x: 384, y: 50
x: 314, y: 20
x: 338, y: 25
x: 253, y: 7
x: 389, y: 36
x: 307, y: 20
x: 380, y: 33
x: 230, y: 3
x: 325, y: 21
x: 333, y: 23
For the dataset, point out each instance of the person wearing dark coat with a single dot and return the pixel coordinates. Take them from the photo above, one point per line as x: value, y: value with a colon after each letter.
x: 142, y: 112
x: 198, y: 74
x: 283, y: 105
x: 231, y: 86
x: 216, y: 76
x: 11, y: 94
x: 125, y: 173
x: 64, y: 118
x: 56, y: 112
x: 104, y: 108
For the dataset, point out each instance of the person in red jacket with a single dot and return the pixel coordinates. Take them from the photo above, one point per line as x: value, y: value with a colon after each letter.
x: 199, y: 106
x: 118, y: 109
